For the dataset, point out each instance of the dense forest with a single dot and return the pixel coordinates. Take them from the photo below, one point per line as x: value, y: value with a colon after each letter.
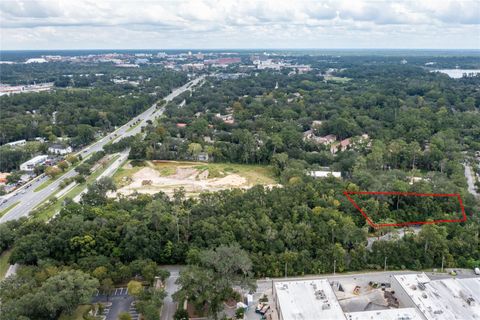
x: 414, y: 117
x: 83, y: 106
x: 305, y: 225
x: 90, y: 104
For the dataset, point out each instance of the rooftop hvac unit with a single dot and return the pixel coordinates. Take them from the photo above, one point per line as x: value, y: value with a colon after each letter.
x: 326, y: 306
x: 468, y: 298
x: 471, y: 301
x: 421, y: 286
x: 320, y: 294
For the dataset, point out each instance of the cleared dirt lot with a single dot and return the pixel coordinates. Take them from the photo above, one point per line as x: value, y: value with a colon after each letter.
x: 194, y: 177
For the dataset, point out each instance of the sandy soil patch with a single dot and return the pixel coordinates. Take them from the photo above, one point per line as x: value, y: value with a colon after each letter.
x: 194, y: 181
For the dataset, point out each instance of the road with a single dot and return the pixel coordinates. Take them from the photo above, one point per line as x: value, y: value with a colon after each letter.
x: 391, y: 236
x: 108, y: 171
x: 169, y: 306
x: 29, y: 199
x: 470, y: 181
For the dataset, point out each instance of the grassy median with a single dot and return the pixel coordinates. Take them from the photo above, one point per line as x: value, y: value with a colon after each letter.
x: 47, y: 209
x: 8, y: 209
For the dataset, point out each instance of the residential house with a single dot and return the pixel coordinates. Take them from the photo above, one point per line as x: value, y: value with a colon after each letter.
x: 228, y: 118
x: 308, y: 135
x: 60, y: 149
x: 3, y: 177
x: 325, y: 140
x: 341, y: 146
x: 202, y: 156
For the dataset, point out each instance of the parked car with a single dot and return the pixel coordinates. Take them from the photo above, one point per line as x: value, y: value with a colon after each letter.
x: 477, y: 271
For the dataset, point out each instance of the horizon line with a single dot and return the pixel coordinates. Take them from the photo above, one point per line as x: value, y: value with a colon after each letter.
x: 256, y: 49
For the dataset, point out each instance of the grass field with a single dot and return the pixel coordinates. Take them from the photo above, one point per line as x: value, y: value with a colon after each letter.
x: 337, y: 79
x: 195, y: 177
x: 8, y: 208
x: 46, y: 184
x: 4, y: 265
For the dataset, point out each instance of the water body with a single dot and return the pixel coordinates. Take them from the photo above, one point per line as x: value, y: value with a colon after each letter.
x: 458, y: 73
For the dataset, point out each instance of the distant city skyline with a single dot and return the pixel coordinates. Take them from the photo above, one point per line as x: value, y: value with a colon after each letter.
x: 228, y: 24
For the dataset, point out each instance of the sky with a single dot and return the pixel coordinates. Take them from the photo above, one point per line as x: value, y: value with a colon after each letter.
x: 211, y: 24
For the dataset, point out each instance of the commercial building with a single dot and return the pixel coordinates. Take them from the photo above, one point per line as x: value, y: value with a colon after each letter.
x: 34, y: 162
x: 325, y: 174
x: 17, y: 143
x: 36, y: 60
x: 9, y: 90
x: 306, y: 300
x: 387, y: 314
x: 387, y: 297
x: 59, y: 149
x: 448, y: 299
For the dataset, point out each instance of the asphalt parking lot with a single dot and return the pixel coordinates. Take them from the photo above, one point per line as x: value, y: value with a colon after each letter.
x: 116, y: 303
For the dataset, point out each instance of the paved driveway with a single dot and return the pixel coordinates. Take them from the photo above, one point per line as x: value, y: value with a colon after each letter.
x: 170, y: 306
x: 120, y: 301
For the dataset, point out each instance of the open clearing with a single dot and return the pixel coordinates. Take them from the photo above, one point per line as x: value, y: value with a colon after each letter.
x: 194, y: 177
x: 4, y: 265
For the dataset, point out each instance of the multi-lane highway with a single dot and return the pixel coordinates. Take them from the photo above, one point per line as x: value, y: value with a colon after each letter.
x: 28, y: 199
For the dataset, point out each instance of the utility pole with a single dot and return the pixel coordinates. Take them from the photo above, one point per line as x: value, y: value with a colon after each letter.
x: 385, y: 264
x: 443, y: 257
x: 334, y: 266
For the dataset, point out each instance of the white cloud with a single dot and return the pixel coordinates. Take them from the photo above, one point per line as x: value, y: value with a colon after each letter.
x: 240, y: 23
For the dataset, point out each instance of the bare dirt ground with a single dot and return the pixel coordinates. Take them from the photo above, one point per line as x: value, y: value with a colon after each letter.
x: 150, y: 180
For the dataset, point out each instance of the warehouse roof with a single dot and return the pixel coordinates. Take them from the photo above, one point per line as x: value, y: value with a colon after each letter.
x: 448, y: 299
x: 308, y: 300
x: 387, y: 314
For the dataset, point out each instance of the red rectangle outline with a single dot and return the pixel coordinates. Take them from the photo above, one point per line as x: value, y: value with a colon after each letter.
x: 403, y: 224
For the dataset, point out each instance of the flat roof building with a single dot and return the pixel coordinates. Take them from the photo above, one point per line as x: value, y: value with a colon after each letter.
x: 306, y: 300
x: 32, y: 163
x: 387, y: 314
x: 17, y: 143
x: 447, y: 299
x: 325, y: 174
